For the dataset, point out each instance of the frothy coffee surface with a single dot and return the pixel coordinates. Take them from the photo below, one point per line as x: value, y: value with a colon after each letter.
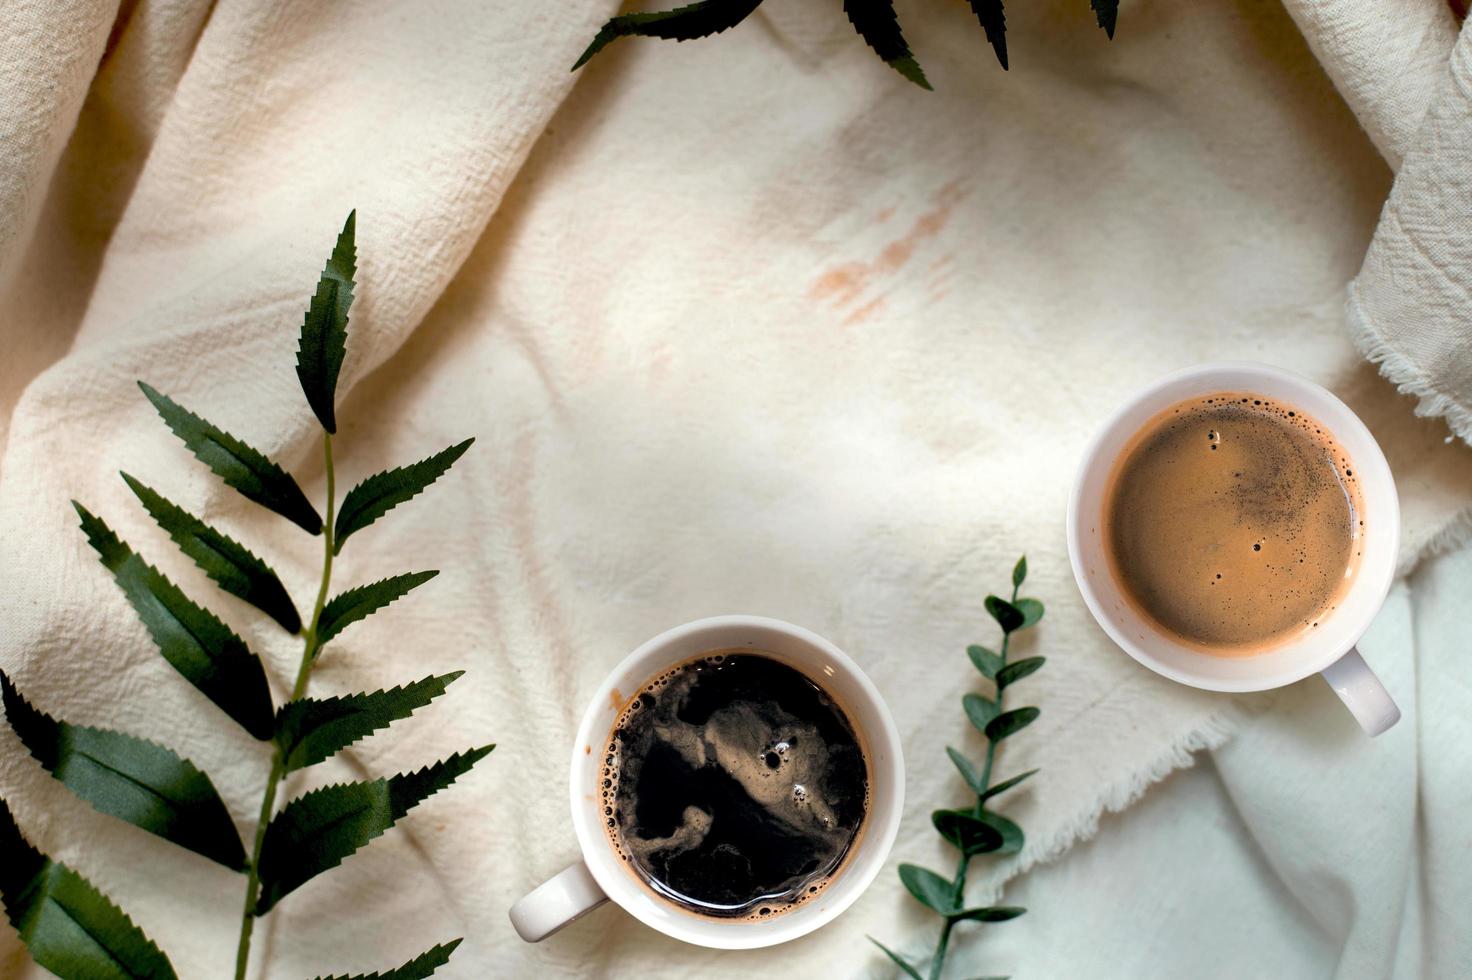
x: 734, y: 786
x: 1233, y: 522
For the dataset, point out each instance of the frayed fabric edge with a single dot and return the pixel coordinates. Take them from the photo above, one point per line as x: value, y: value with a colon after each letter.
x: 1221, y: 725
x: 1430, y: 403
x: 1396, y: 369
x: 1215, y: 730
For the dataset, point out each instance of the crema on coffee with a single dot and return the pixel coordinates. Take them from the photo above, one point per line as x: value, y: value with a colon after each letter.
x: 1233, y: 522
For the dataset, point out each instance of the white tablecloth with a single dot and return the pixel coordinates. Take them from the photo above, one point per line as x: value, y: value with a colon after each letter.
x: 743, y: 325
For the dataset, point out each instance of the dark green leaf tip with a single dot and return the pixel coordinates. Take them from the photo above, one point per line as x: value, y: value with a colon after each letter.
x: 980, y: 710
x: 232, y: 566
x: 994, y: 22
x: 984, y: 660
x: 311, y: 730
x: 70, y: 927
x: 929, y: 888
x: 994, y: 913
x: 129, y: 778
x: 317, y: 831
x: 380, y: 493
x: 1019, y: 572
x: 109, y: 549
x: 250, y: 472
x: 324, y: 334
x: 418, y: 968
x: 1107, y: 13
x: 192, y: 639
x: 1007, y: 784
x: 355, y: 604
x: 877, y: 24
x: 910, y: 68
x: 898, y: 960
x: 685, y: 23
x: 1017, y: 670
x: 967, y: 770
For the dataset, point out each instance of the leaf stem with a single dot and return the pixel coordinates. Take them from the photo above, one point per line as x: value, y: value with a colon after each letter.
x: 958, y: 883
x: 310, y: 649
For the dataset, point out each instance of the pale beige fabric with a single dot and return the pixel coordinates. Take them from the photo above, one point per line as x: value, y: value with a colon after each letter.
x: 1407, y: 73
x: 757, y: 326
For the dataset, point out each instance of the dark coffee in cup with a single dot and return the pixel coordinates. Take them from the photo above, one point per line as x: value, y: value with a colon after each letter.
x: 734, y: 786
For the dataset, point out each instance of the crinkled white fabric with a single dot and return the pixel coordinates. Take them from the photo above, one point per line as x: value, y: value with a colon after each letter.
x: 1405, y: 68
x: 754, y: 326
x: 1299, y: 848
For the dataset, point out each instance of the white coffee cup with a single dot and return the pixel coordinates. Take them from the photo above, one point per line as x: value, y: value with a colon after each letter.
x: 1329, y: 648
x: 603, y: 876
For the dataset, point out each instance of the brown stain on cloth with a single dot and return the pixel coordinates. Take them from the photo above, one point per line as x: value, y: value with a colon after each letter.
x: 845, y: 284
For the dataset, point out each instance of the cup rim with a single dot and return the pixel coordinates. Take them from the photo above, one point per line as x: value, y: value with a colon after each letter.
x: 876, y: 841
x: 1370, y: 457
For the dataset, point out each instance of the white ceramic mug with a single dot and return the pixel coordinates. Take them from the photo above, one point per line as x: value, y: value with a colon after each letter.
x: 603, y: 876
x: 1328, y: 649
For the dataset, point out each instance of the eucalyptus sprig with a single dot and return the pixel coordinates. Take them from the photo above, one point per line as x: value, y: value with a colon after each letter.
x: 874, y: 20
x: 68, y: 925
x: 976, y: 829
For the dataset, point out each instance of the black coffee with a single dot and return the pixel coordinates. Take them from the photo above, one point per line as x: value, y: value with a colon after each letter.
x: 734, y: 786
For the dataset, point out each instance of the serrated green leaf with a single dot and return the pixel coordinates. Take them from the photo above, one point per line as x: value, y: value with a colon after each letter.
x: 311, y: 730
x: 985, y: 660
x: 70, y: 927
x: 1031, y: 610
x: 899, y: 961
x: 382, y: 492
x: 1007, y: 784
x: 129, y: 778
x: 1019, y: 570
x: 1011, y: 834
x: 1008, y: 616
x: 967, y: 770
x: 233, y: 567
x: 685, y: 23
x: 994, y: 23
x: 877, y: 24
x: 193, y: 640
x: 247, y: 470
x: 965, y: 831
x: 1010, y: 723
x: 418, y: 968
x: 993, y: 913
x: 355, y: 604
x: 315, y: 832
x: 979, y: 710
x: 324, y: 335
x: 1017, y: 670
x: 1106, y: 12
x: 929, y: 888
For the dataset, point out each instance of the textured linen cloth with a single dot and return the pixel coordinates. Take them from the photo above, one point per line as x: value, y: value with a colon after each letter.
x: 1315, y: 852
x: 754, y: 326
x: 1297, y: 849
x: 1406, y: 71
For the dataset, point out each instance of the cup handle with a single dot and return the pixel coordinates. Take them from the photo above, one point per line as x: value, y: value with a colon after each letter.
x: 569, y: 895
x: 1362, y: 693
